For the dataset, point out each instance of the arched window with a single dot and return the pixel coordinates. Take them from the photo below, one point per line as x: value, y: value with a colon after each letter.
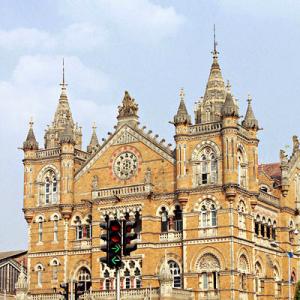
x: 79, y: 229
x: 244, y: 270
x: 39, y: 270
x: 164, y: 220
x: 269, y: 229
x: 257, y: 225
x: 277, y: 282
x: 50, y: 186
x: 274, y: 231
x: 84, y: 277
x: 87, y: 228
x: 127, y: 279
x: 138, y: 281
x: 241, y: 215
x: 242, y: 169
x: 209, y: 267
x: 205, y: 167
x: 208, y: 214
x: 177, y: 218
x: 138, y: 221
x: 40, y: 229
x: 106, y: 283
x: 54, y: 265
x: 175, y: 271
x: 264, y: 188
x: 258, y: 278
x: 55, y: 228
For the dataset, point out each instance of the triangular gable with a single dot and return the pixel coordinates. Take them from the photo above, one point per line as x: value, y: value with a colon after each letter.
x: 13, y: 263
x: 125, y: 135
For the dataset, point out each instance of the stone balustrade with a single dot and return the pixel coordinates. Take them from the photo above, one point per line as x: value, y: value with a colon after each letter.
x: 82, y: 244
x: 203, y: 128
x: 121, y: 191
x: 47, y: 153
x: 170, y: 236
x: 81, y: 154
x: 46, y: 297
x: 268, y: 198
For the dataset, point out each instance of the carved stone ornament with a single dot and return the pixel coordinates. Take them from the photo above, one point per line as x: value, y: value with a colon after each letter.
x: 95, y: 182
x: 148, y: 176
x: 209, y: 262
x: 283, y: 157
x: 128, y: 107
x: 125, y: 165
x: 295, y: 143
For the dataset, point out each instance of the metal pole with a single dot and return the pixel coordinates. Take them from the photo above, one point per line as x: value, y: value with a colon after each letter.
x: 289, y: 262
x: 118, y: 290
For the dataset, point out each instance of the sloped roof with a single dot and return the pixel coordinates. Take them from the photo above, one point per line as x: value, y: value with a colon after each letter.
x: 272, y: 169
x: 11, y: 254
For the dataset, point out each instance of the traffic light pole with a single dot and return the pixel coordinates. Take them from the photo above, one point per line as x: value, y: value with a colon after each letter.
x: 118, y: 290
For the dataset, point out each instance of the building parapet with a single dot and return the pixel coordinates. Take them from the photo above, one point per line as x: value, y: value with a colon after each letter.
x: 82, y: 244
x: 170, y: 236
x: 269, y: 199
x: 46, y: 153
x: 205, y: 128
x: 46, y: 297
x: 81, y: 154
x: 122, y: 191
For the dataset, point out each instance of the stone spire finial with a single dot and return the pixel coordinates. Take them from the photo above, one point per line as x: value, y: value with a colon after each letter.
x: 250, y: 121
x: 229, y: 108
x: 94, y: 143
x: 182, y: 116
x: 30, y: 142
x: 128, y: 110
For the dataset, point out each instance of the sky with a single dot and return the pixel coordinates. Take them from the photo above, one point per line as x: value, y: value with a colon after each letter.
x: 150, y: 48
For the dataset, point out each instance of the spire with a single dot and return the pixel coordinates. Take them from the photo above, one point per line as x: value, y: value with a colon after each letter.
x: 128, y: 110
x: 229, y: 108
x: 182, y: 116
x: 30, y: 142
x: 250, y: 121
x: 209, y: 110
x: 94, y: 143
x: 67, y: 135
x: 63, y: 95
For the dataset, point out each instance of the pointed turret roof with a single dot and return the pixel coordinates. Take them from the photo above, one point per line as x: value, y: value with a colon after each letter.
x: 94, y: 143
x: 30, y: 142
x: 250, y: 121
x: 229, y: 108
x: 182, y: 116
x: 67, y: 135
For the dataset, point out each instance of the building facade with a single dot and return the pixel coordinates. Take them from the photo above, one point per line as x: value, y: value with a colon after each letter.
x: 212, y: 222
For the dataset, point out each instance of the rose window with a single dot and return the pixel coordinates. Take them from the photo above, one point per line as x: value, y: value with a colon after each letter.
x: 125, y: 165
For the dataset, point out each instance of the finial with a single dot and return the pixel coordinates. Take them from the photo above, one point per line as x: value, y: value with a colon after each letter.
x: 94, y: 126
x: 215, y: 52
x: 181, y: 94
x: 249, y: 98
x: 63, y: 84
x: 228, y: 87
x: 31, y: 122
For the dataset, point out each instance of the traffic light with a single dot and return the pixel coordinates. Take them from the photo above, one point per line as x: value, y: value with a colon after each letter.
x: 65, y: 292
x: 113, y: 239
x: 128, y: 236
x: 79, y: 289
x: 105, y: 237
x: 115, y: 243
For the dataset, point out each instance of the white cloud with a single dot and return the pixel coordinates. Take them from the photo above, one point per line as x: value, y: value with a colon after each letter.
x: 139, y: 20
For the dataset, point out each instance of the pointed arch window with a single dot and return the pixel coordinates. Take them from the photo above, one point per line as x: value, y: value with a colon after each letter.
x: 208, y: 214
x: 55, y: 228
x: 127, y: 279
x: 50, y: 188
x: 40, y: 229
x: 79, y: 229
x: 209, y: 267
x: 242, y: 215
x: 39, y: 270
x: 177, y: 218
x: 205, y: 167
x: 242, y: 169
x: 84, y: 277
x: 164, y: 220
x: 175, y: 271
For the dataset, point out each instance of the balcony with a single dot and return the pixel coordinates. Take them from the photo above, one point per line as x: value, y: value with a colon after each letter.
x: 122, y: 191
x: 268, y: 198
x: 171, y: 236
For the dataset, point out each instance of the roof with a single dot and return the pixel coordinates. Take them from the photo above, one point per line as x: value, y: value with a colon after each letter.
x: 11, y: 254
x: 273, y: 170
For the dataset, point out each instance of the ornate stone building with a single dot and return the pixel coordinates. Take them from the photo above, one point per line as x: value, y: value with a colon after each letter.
x: 212, y: 222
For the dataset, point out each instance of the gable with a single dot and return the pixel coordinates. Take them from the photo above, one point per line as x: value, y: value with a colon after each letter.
x: 126, y: 135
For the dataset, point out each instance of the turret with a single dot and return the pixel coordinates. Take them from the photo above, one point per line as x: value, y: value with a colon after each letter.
x: 182, y: 117
x: 230, y: 117
x: 128, y: 111
x: 250, y: 121
x: 30, y: 142
x: 94, y: 143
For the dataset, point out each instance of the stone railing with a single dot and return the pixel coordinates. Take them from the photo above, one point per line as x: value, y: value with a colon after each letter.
x: 47, y: 153
x: 81, y: 154
x: 139, y: 294
x: 82, y: 244
x: 46, y: 297
x: 203, y: 128
x: 121, y: 191
x: 268, y: 198
x: 170, y: 236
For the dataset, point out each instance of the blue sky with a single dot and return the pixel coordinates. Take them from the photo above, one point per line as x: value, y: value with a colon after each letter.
x: 150, y: 48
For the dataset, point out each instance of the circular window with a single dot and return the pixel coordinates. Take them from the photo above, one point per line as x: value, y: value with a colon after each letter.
x: 125, y: 165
